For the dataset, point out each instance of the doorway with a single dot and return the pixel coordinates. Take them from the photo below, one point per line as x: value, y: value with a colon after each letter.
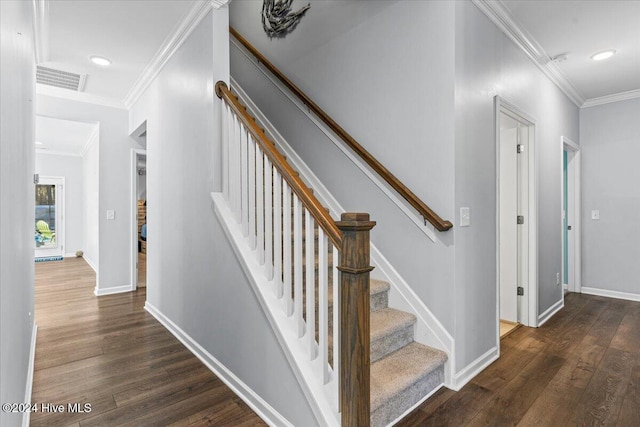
x: 570, y: 215
x: 49, y: 217
x: 516, y: 219
x: 139, y: 218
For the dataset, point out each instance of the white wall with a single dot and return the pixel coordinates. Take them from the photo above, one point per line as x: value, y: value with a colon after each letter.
x: 193, y: 276
x: 610, y: 147
x: 91, y: 203
x: 114, y: 182
x: 489, y: 64
x: 17, y: 152
x: 69, y: 167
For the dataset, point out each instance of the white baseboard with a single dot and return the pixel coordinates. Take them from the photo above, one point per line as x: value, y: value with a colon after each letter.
x: 110, y: 291
x: 474, y: 368
x: 69, y: 255
x: 251, y: 398
x: 91, y: 263
x: 548, y: 314
x: 29, y: 387
x: 611, y: 294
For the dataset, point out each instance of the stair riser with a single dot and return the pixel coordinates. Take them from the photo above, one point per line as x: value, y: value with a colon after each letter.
x: 404, y: 400
x: 390, y: 343
x: 379, y: 301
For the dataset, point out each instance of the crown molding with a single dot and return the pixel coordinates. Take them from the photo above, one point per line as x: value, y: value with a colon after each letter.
x: 41, y: 29
x: 607, y: 99
x: 500, y: 15
x: 170, y: 45
x: 78, y: 96
x: 217, y: 4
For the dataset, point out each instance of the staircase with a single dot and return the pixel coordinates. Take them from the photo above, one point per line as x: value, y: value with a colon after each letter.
x: 312, y: 273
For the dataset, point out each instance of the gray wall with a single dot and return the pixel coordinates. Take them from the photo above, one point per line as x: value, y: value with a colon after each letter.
x: 489, y: 64
x: 114, y: 182
x: 610, y: 148
x: 70, y: 167
x: 402, y: 104
x: 17, y: 153
x: 419, y: 96
x: 194, y: 277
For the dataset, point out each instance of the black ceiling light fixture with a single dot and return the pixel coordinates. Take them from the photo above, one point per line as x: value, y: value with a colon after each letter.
x: 277, y: 18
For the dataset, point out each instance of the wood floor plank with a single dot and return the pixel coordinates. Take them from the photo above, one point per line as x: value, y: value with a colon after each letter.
x: 109, y: 352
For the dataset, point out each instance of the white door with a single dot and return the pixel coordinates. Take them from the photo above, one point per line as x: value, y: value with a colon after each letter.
x: 49, y: 217
x: 508, y: 223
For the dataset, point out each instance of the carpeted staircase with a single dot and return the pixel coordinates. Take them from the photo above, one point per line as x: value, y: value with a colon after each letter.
x: 403, y: 371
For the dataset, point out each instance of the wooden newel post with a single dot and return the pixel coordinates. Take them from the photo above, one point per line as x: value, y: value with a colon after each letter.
x: 354, y: 319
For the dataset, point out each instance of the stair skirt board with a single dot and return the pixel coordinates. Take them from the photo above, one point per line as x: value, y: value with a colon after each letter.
x: 428, y: 330
x: 243, y: 391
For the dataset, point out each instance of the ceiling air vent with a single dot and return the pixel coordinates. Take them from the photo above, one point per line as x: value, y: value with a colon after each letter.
x: 59, y: 78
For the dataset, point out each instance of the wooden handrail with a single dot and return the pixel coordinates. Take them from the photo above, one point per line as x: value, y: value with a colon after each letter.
x: 424, y: 210
x: 315, y: 208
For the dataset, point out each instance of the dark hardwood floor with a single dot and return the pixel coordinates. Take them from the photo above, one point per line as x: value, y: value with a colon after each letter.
x: 581, y: 368
x: 110, y: 353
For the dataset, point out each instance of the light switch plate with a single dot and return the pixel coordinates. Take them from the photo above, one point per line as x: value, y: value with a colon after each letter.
x: 595, y: 214
x: 111, y: 214
x: 465, y: 217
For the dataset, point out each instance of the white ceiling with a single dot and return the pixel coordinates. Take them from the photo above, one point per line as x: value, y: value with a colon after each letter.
x: 62, y: 136
x: 581, y: 29
x: 129, y: 33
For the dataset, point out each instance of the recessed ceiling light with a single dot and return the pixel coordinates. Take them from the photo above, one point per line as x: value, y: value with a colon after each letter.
x: 603, y: 55
x: 39, y: 143
x: 100, y: 60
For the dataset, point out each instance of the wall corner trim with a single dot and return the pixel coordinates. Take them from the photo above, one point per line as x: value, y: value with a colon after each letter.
x: 502, y: 18
x: 168, y: 48
x: 250, y: 397
x: 474, y: 368
x: 548, y: 314
x: 26, y: 417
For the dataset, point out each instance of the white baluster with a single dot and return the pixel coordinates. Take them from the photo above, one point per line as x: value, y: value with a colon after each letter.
x: 225, y: 150
x: 244, y: 181
x: 260, y: 208
x: 310, y: 285
x: 252, y: 193
x: 297, y: 264
x: 286, y: 245
x: 277, y: 232
x: 270, y: 233
x: 323, y: 306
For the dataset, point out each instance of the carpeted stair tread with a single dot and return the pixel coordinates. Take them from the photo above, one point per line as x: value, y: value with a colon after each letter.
x: 402, y: 378
x: 377, y: 286
x: 388, y: 320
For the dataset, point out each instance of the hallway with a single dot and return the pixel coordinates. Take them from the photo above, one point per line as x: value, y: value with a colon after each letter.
x: 109, y: 353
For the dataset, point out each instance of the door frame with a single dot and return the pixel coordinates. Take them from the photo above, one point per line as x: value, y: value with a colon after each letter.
x: 574, y: 185
x: 531, y: 220
x: 135, y: 155
x: 59, y: 182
